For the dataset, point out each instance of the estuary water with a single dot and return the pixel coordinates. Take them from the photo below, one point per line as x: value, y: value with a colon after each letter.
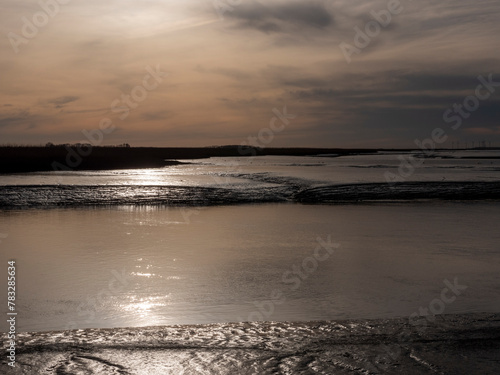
x: 138, y: 266
x: 264, y: 265
x: 253, y: 239
x: 458, y: 175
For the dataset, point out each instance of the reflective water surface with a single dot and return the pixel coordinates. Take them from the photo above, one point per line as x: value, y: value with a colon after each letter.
x: 136, y: 266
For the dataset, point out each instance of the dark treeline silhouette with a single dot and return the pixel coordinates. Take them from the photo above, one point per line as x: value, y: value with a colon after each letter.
x: 50, y: 144
x: 15, y: 159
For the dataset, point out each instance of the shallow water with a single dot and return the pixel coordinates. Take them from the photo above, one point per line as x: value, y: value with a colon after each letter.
x: 182, y: 245
x: 226, y: 181
x: 266, y: 171
x: 137, y: 266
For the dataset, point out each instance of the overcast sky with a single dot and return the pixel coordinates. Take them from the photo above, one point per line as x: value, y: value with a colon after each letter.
x: 227, y: 64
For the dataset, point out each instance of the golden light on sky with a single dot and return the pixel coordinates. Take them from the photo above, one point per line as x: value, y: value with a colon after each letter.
x: 226, y: 65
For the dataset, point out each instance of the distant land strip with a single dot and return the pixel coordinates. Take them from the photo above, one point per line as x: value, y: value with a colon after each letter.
x: 18, y: 159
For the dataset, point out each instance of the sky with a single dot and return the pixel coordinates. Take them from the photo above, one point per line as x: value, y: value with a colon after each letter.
x: 276, y: 73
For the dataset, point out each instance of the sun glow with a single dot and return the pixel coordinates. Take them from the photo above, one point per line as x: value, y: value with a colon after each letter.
x: 148, y: 177
x: 144, y: 306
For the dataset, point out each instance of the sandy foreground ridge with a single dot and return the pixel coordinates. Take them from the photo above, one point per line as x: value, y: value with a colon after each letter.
x: 444, y: 344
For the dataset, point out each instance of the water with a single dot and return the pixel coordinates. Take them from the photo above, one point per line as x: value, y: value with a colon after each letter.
x: 225, y: 263
x: 229, y: 172
x: 182, y: 244
x: 272, y: 252
x: 238, y: 180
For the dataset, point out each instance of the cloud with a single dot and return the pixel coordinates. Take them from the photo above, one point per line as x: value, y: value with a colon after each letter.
x: 242, y: 103
x: 279, y: 17
x: 236, y: 74
x: 226, y: 76
x: 233, y: 73
x: 87, y: 110
x: 62, y: 100
x: 17, y: 117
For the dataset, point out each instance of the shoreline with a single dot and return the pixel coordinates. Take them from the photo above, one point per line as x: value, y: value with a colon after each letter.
x: 450, y: 344
x: 85, y: 157
x: 21, y: 159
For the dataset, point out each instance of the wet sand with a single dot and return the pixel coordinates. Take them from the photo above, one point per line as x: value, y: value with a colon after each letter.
x: 445, y: 344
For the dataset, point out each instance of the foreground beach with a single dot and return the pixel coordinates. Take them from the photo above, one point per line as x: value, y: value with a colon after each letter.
x: 444, y: 344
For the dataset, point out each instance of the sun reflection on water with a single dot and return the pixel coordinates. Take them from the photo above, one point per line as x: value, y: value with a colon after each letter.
x: 143, y: 274
x: 144, y: 306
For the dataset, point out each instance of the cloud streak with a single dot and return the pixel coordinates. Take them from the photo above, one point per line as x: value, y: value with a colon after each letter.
x: 62, y: 100
x: 276, y: 17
